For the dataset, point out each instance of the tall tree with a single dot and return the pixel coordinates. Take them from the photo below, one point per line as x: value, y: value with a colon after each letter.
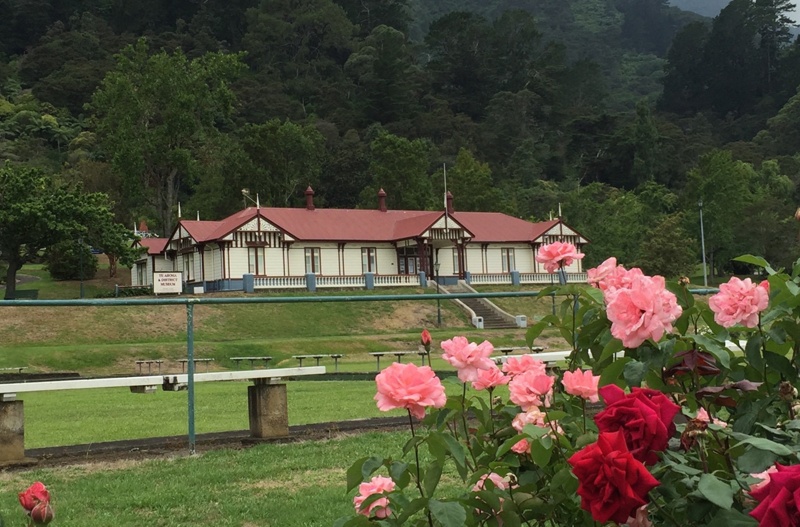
x: 400, y: 167
x: 36, y: 213
x: 369, y: 14
x: 685, y: 72
x: 385, y: 76
x: 153, y: 115
x: 774, y: 29
x: 284, y: 158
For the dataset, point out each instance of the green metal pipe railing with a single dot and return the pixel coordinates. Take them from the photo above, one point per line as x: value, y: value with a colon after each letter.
x: 190, y: 302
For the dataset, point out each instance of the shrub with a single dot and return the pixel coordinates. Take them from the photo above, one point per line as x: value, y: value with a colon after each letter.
x: 64, y: 261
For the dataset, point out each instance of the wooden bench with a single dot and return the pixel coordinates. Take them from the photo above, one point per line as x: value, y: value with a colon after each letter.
x: 508, y: 350
x: 398, y: 354
x: 26, y: 294
x: 184, y: 361
x: 252, y: 360
x: 17, y: 369
x: 266, y: 398
x: 319, y: 356
x: 149, y: 363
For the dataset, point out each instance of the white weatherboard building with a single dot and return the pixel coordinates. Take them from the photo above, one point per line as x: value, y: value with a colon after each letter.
x: 309, y: 248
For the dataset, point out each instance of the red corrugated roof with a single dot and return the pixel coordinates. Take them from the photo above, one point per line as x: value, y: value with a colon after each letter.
x: 368, y: 225
x: 495, y: 227
x: 154, y: 245
x: 201, y: 231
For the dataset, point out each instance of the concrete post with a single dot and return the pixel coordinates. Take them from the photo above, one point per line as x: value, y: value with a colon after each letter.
x: 468, y: 277
x: 12, y: 432
x: 423, y: 280
x: 311, y: 282
x: 249, y: 283
x: 515, y: 278
x: 369, y: 280
x: 269, y: 413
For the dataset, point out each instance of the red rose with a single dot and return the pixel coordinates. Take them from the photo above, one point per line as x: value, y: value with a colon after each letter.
x: 779, y: 500
x: 36, y: 493
x: 612, y: 483
x: 644, y: 416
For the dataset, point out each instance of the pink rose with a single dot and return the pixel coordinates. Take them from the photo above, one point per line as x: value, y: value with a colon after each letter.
x: 489, y: 379
x: 642, y: 311
x: 409, y: 386
x: 380, y: 507
x: 467, y: 357
x: 702, y: 415
x: 596, y: 277
x: 499, y: 482
x: 739, y: 302
x: 582, y: 384
x: 640, y: 519
x: 516, y: 365
x: 531, y: 389
x: 764, y: 477
x: 557, y: 254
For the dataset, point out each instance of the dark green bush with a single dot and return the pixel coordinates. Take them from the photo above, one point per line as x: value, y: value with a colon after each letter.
x: 64, y: 261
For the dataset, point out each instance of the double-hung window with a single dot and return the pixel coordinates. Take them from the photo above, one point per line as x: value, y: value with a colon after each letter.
x: 313, y: 260
x: 507, y: 255
x: 369, y: 263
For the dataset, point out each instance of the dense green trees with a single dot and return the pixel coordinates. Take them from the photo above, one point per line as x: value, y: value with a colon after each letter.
x: 155, y: 113
x: 528, y: 104
x: 37, y: 212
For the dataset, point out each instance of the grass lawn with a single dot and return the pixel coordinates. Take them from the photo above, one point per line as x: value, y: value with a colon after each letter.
x: 271, y: 485
x: 106, y: 414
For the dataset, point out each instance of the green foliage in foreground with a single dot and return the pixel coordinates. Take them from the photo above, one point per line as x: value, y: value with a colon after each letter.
x: 286, y: 485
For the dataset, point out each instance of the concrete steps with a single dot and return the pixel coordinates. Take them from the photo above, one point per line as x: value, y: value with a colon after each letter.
x: 491, y: 318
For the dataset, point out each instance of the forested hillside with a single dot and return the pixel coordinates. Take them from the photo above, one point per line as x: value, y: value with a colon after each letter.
x: 625, y: 112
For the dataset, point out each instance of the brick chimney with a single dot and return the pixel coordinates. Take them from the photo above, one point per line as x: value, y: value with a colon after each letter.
x: 382, y: 200
x: 310, y: 198
x: 449, y: 200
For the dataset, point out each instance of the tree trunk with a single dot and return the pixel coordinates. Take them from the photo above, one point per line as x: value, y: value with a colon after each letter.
x: 11, y: 279
x: 112, y: 266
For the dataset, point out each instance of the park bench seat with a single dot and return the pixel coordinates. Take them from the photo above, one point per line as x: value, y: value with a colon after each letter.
x: 319, y: 356
x: 398, y: 354
x: 149, y: 363
x: 252, y: 360
x: 184, y: 361
x: 26, y: 294
x: 511, y: 349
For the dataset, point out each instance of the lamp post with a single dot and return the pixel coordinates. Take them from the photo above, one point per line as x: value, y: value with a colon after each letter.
x: 703, y: 243
x: 438, y: 304
x: 80, y: 255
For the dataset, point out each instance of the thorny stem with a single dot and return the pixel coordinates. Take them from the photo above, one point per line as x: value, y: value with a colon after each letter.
x: 574, y: 355
x: 665, y: 513
x: 464, y: 421
x: 416, y: 457
x: 764, y: 353
x: 729, y: 461
x: 583, y: 411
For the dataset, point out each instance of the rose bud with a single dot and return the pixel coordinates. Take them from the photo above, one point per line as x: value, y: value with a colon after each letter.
x: 786, y: 391
x: 42, y: 513
x: 425, y: 340
x: 684, y: 281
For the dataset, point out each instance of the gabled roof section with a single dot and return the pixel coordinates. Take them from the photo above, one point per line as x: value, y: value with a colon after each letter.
x: 347, y: 225
x: 496, y: 227
x: 153, y: 245
x: 200, y: 231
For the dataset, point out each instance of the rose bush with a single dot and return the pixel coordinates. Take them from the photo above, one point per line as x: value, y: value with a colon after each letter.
x: 36, y: 502
x: 669, y: 411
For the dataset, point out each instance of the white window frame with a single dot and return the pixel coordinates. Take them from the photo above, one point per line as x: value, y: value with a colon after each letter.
x: 369, y: 260
x: 508, y: 259
x: 313, y: 260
